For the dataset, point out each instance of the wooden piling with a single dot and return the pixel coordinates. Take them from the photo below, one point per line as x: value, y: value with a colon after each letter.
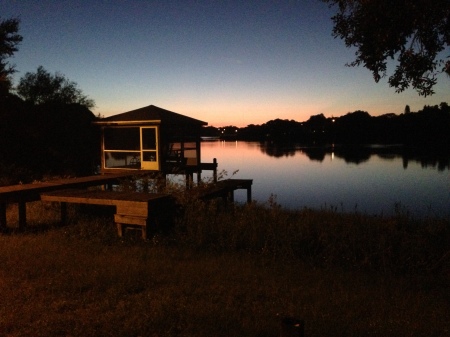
x: 22, y: 215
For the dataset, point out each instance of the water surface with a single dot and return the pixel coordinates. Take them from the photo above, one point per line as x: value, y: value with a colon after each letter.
x: 352, y: 181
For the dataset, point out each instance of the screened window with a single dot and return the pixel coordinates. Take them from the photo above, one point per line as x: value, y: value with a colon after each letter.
x: 122, y: 147
x: 122, y: 139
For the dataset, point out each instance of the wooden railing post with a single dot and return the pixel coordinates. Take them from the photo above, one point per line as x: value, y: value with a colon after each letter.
x: 215, y: 170
x: 249, y: 194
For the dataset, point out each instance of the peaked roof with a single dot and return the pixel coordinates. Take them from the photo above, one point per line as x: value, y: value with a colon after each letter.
x: 150, y: 114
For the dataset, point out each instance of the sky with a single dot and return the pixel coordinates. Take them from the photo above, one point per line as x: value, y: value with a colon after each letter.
x: 223, y: 62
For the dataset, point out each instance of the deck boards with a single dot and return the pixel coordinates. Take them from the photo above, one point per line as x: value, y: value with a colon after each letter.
x: 225, y: 189
x: 31, y: 192
x: 127, y: 203
x: 99, y: 197
x: 23, y: 193
x: 132, y: 208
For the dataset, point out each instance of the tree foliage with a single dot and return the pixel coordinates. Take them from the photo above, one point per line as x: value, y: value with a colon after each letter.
x: 43, y: 87
x: 414, y: 32
x: 45, y: 140
x: 9, y: 39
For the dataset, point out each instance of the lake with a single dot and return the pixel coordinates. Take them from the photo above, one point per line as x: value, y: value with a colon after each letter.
x: 374, y: 180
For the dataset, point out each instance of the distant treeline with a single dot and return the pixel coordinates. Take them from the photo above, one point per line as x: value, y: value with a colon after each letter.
x: 427, y: 127
x: 45, y: 139
x: 59, y: 139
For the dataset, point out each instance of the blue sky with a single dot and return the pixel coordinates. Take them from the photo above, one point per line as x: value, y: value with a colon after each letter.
x: 224, y: 62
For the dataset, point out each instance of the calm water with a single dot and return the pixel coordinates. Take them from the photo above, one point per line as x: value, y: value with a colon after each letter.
x: 306, y: 177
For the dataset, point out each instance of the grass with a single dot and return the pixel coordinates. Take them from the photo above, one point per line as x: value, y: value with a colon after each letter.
x: 230, y: 271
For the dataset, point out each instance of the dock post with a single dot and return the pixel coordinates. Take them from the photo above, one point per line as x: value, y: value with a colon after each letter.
x: 161, y: 183
x: 249, y: 194
x: 189, y: 180
x: 119, y: 229
x: 231, y: 195
x: 22, y: 215
x: 2, y: 216
x: 215, y: 170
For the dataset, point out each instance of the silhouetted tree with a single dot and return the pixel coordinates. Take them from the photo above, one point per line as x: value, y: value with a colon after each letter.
x: 47, y: 139
x: 43, y: 87
x: 317, y: 122
x: 9, y: 39
x: 355, y: 127
x: 445, y: 108
x: 407, y: 109
x: 210, y: 131
x: 281, y: 130
x: 413, y: 31
x: 64, y: 137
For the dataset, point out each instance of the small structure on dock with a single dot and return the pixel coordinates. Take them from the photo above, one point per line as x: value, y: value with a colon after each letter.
x: 152, y: 139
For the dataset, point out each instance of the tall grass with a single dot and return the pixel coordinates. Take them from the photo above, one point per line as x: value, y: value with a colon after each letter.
x: 354, y: 241
x: 225, y: 270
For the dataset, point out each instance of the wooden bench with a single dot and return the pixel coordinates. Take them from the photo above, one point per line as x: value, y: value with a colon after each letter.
x: 132, y: 208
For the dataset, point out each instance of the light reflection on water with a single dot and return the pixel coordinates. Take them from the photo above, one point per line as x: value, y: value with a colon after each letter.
x: 367, y: 183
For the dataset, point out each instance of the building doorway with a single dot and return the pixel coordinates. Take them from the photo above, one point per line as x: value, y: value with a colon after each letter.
x: 149, y: 148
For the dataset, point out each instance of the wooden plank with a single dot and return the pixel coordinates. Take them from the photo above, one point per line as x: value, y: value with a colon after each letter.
x: 135, y: 208
x: 225, y: 189
x: 130, y: 220
x: 100, y: 197
x: 76, y: 199
x: 123, y: 221
x: 26, y: 192
x: 31, y: 192
x: 131, y: 203
x: 208, y: 166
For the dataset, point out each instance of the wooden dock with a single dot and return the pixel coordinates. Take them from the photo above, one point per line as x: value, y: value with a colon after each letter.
x: 225, y: 189
x: 135, y: 209
x: 23, y: 193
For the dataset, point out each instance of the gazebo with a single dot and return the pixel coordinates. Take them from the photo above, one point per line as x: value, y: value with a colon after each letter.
x: 152, y: 139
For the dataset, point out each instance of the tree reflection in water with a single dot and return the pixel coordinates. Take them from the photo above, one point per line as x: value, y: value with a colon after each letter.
x: 426, y: 157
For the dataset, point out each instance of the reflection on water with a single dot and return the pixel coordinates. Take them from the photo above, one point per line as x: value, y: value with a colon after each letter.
x: 361, y: 154
x: 369, y: 179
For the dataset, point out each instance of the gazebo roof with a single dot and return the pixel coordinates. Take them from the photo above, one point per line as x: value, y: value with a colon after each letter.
x: 150, y: 115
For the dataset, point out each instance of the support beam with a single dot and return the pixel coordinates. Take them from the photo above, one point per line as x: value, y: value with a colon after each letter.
x: 22, y: 215
x: 215, y: 170
x: 231, y: 195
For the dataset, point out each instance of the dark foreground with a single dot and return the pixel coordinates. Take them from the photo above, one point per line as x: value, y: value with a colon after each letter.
x: 211, y: 277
